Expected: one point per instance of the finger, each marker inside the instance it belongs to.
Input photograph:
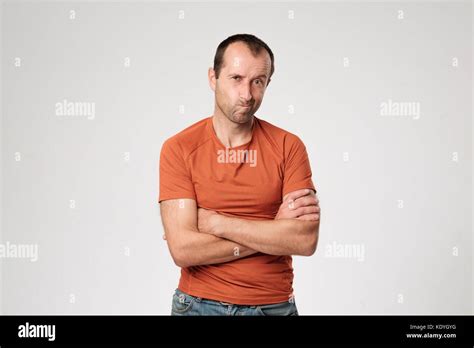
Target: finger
(312, 194)
(310, 209)
(309, 217)
(297, 194)
(291, 214)
(305, 201)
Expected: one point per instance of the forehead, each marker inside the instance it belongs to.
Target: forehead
(239, 57)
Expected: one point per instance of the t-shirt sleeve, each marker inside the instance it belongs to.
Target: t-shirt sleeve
(297, 172)
(174, 176)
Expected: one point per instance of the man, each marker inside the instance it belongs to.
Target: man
(236, 196)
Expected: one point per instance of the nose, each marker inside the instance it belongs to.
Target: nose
(245, 93)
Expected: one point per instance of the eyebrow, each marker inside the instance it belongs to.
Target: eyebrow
(261, 75)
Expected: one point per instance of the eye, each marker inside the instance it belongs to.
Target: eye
(237, 78)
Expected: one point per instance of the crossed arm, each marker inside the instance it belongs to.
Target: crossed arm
(199, 236)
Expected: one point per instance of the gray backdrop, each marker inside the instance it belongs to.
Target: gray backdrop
(381, 94)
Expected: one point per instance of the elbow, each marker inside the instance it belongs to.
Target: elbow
(310, 247)
(180, 262)
(179, 257)
(310, 240)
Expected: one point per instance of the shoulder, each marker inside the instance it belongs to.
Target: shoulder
(284, 139)
(190, 138)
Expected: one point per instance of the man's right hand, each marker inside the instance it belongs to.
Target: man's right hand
(302, 205)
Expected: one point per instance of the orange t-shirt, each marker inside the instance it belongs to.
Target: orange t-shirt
(246, 181)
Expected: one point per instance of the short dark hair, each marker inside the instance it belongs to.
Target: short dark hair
(253, 43)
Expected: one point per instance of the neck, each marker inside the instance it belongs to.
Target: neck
(232, 134)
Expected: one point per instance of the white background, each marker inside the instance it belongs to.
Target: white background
(107, 256)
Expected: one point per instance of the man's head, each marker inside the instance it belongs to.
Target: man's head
(243, 66)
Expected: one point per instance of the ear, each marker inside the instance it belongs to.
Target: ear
(211, 74)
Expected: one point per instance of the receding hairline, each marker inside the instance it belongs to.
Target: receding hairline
(253, 43)
(255, 53)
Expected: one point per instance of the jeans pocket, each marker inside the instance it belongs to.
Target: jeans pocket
(278, 309)
(182, 302)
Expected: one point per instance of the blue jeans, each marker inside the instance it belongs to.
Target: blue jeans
(185, 304)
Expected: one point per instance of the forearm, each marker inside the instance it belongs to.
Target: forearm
(275, 237)
(197, 248)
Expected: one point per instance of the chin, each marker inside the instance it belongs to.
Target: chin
(241, 118)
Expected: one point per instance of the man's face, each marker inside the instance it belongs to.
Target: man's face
(242, 82)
